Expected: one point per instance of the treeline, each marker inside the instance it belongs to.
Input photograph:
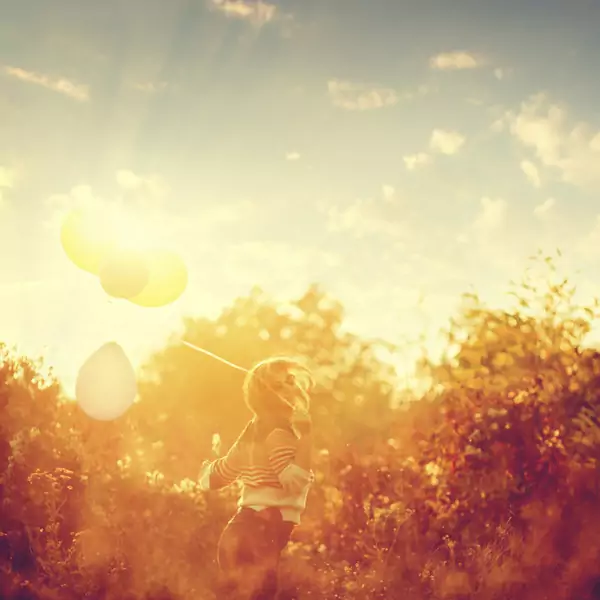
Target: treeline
(486, 488)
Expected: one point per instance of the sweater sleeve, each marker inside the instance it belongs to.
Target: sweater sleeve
(282, 446)
(221, 472)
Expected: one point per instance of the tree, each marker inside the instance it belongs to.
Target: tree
(187, 397)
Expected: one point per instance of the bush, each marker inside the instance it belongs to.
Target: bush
(486, 488)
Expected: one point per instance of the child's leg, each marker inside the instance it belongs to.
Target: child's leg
(248, 554)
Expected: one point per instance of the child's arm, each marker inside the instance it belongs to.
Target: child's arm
(221, 472)
(290, 459)
(303, 452)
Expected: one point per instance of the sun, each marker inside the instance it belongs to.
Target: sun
(89, 235)
(130, 231)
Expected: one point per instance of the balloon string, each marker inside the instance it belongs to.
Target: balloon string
(233, 365)
(217, 357)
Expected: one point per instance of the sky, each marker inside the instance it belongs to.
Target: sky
(398, 153)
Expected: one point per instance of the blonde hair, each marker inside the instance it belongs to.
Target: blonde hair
(276, 386)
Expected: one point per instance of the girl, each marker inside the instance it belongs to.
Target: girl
(271, 458)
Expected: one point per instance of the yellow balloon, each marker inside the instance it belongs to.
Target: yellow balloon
(167, 281)
(86, 240)
(124, 274)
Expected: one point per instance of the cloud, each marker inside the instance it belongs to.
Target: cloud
(292, 156)
(80, 197)
(145, 191)
(364, 218)
(446, 142)
(128, 180)
(255, 11)
(148, 209)
(142, 216)
(490, 246)
(531, 172)
(571, 148)
(389, 193)
(455, 61)
(356, 96)
(540, 126)
(68, 88)
(83, 197)
(491, 216)
(501, 73)
(541, 211)
(281, 268)
(498, 125)
(413, 161)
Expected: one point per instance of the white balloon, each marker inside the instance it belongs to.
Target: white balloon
(106, 385)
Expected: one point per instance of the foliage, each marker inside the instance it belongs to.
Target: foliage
(486, 488)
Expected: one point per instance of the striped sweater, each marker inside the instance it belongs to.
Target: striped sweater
(268, 474)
